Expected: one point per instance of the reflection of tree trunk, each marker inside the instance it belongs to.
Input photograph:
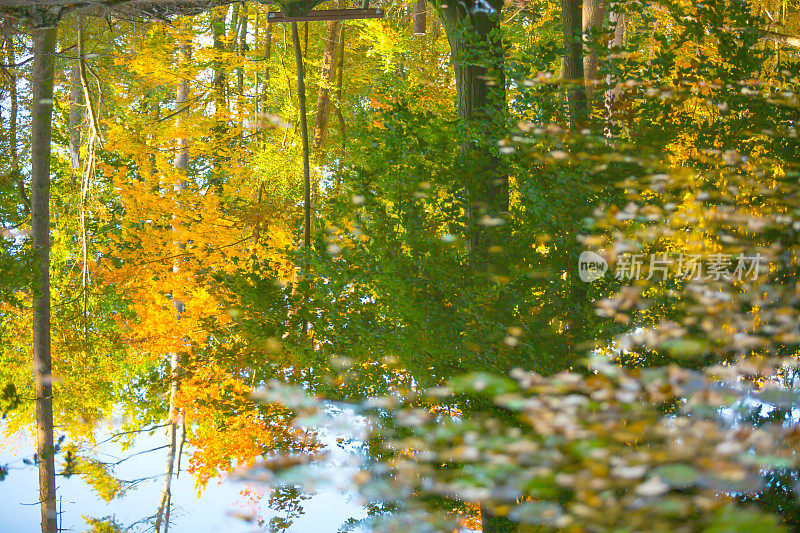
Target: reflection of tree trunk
(480, 88)
(324, 100)
(593, 11)
(242, 48)
(93, 138)
(162, 516)
(325, 85)
(267, 57)
(419, 17)
(573, 63)
(41, 124)
(257, 75)
(221, 114)
(233, 31)
(75, 118)
(614, 91)
(301, 97)
(218, 28)
(181, 166)
(339, 80)
(13, 111)
(262, 85)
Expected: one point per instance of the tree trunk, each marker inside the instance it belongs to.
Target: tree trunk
(593, 12)
(614, 91)
(41, 124)
(419, 26)
(267, 57)
(75, 118)
(305, 46)
(13, 113)
(162, 515)
(301, 97)
(218, 28)
(181, 166)
(482, 108)
(262, 91)
(325, 85)
(242, 48)
(221, 110)
(93, 138)
(573, 63)
(257, 75)
(233, 31)
(480, 88)
(339, 81)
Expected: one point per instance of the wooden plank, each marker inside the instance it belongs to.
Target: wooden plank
(317, 15)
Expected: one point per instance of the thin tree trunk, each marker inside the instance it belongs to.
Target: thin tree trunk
(218, 28)
(41, 127)
(162, 516)
(593, 12)
(75, 118)
(301, 97)
(267, 57)
(242, 48)
(573, 63)
(257, 76)
(339, 82)
(13, 112)
(325, 86)
(92, 141)
(181, 166)
(220, 84)
(324, 100)
(286, 70)
(614, 91)
(263, 91)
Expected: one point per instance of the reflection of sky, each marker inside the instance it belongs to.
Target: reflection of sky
(213, 511)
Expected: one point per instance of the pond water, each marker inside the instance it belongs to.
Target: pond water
(429, 267)
(226, 503)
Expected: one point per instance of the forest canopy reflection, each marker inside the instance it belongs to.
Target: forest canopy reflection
(544, 253)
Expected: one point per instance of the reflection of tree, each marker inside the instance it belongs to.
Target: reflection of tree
(174, 442)
(41, 126)
(287, 499)
(172, 470)
(106, 524)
